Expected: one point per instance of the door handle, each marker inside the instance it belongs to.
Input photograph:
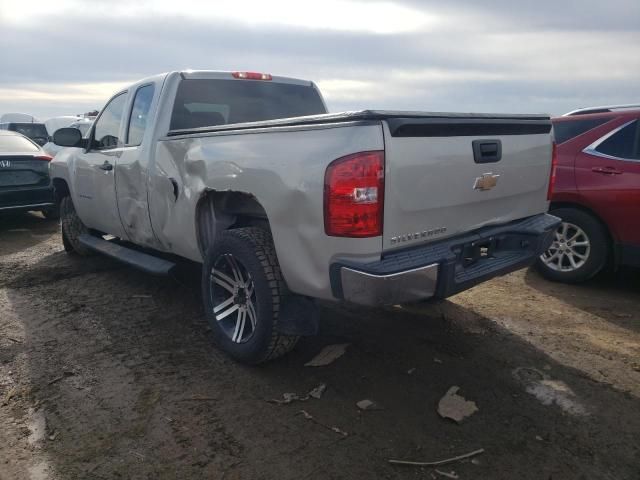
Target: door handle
(106, 166)
(606, 170)
(487, 151)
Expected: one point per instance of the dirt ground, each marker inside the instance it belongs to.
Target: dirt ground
(106, 372)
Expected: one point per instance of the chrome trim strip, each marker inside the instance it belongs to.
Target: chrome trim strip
(402, 287)
(591, 149)
(26, 207)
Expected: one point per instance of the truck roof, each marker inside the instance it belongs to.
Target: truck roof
(215, 74)
(223, 75)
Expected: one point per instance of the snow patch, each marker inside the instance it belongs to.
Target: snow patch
(549, 391)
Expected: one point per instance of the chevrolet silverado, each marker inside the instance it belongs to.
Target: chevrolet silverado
(283, 203)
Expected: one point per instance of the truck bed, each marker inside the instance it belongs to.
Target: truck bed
(401, 123)
(431, 167)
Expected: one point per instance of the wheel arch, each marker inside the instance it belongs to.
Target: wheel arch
(60, 189)
(612, 248)
(217, 211)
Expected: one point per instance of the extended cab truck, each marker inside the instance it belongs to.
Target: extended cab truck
(283, 203)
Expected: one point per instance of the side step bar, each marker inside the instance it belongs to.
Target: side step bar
(139, 260)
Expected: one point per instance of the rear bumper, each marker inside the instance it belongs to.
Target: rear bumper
(444, 268)
(27, 199)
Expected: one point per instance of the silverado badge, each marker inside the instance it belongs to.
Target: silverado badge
(418, 235)
(486, 181)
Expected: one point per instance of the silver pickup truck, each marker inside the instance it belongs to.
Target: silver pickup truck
(284, 203)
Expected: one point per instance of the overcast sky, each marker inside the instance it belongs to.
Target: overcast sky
(61, 57)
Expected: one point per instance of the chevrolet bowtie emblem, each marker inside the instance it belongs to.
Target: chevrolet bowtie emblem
(486, 181)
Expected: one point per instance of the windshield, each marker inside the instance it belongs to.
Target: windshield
(35, 131)
(210, 102)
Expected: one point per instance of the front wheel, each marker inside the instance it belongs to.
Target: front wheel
(579, 249)
(72, 228)
(243, 290)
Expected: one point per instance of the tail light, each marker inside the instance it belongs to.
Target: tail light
(252, 76)
(554, 168)
(46, 158)
(354, 195)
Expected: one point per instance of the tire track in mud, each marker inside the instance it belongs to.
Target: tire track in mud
(114, 379)
(49, 275)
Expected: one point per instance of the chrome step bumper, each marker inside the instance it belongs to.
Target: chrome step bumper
(442, 269)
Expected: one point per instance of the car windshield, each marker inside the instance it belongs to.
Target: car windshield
(35, 131)
(16, 144)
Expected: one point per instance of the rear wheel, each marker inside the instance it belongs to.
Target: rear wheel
(243, 290)
(72, 228)
(579, 249)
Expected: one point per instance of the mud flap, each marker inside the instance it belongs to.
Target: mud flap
(298, 316)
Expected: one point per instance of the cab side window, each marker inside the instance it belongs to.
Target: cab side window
(139, 115)
(107, 127)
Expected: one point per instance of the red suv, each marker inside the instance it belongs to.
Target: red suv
(596, 193)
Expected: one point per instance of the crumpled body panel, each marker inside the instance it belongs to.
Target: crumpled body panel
(284, 171)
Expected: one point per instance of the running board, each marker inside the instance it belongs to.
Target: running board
(139, 260)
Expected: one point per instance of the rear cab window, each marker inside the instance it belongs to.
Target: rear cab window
(211, 102)
(566, 130)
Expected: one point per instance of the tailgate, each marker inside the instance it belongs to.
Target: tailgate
(23, 171)
(447, 176)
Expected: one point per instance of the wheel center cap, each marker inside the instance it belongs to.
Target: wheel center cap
(241, 297)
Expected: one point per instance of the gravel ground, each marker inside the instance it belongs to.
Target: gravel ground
(106, 372)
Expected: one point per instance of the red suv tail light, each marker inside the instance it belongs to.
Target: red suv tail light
(554, 167)
(354, 195)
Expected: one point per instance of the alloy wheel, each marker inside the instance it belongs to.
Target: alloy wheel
(233, 296)
(570, 249)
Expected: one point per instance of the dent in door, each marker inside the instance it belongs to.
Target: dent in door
(132, 202)
(172, 198)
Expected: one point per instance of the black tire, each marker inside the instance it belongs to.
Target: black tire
(248, 252)
(595, 256)
(51, 213)
(72, 228)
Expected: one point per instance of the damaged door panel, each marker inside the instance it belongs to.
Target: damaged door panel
(132, 169)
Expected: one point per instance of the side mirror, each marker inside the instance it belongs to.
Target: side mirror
(68, 137)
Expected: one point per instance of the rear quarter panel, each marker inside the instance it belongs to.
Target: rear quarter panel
(574, 166)
(284, 170)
